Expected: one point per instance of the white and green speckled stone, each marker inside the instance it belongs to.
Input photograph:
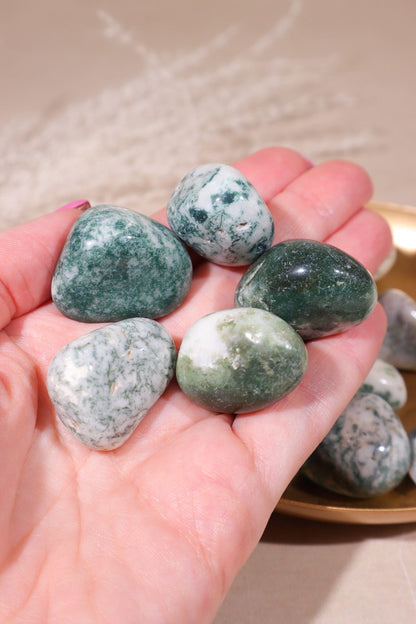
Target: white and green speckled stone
(386, 381)
(103, 383)
(366, 453)
(240, 360)
(117, 264)
(220, 215)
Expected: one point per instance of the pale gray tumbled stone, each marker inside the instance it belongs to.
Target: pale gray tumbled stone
(399, 346)
(366, 453)
(103, 383)
(412, 469)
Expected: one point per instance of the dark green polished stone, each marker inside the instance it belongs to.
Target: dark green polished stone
(316, 288)
(116, 264)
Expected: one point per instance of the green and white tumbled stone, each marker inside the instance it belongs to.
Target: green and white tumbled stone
(316, 288)
(366, 453)
(240, 360)
(386, 381)
(116, 264)
(103, 383)
(399, 346)
(220, 215)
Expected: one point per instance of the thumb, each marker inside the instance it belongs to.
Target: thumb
(28, 256)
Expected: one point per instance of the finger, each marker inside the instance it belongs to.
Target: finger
(270, 170)
(28, 256)
(44, 331)
(366, 236)
(318, 202)
(281, 437)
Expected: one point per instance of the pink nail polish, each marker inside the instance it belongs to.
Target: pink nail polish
(81, 204)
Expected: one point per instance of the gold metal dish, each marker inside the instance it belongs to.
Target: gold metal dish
(304, 499)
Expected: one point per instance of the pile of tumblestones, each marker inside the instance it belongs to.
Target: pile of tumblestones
(368, 452)
(123, 268)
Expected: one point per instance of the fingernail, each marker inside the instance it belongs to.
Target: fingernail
(81, 204)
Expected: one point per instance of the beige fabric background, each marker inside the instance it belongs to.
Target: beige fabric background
(116, 100)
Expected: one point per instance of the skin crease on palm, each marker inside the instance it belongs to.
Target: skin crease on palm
(155, 531)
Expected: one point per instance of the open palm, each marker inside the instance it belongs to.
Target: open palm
(155, 531)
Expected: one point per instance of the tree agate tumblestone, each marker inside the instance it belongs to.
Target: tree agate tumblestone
(316, 288)
(240, 360)
(220, 215)
(119, 264)
(386, 381)
(399, 346)
(103, 383)
(412, 469)
(366, 453)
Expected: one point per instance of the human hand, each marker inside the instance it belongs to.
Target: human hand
(155, 531)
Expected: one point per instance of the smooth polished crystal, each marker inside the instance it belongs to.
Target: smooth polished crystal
(220, 215)
(366, 453)
(240, 360)
(103, 383)
(316, 288)
(399, 346)
(386, 381)
(116, 264)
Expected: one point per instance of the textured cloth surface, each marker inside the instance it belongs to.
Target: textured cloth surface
(117, 101)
